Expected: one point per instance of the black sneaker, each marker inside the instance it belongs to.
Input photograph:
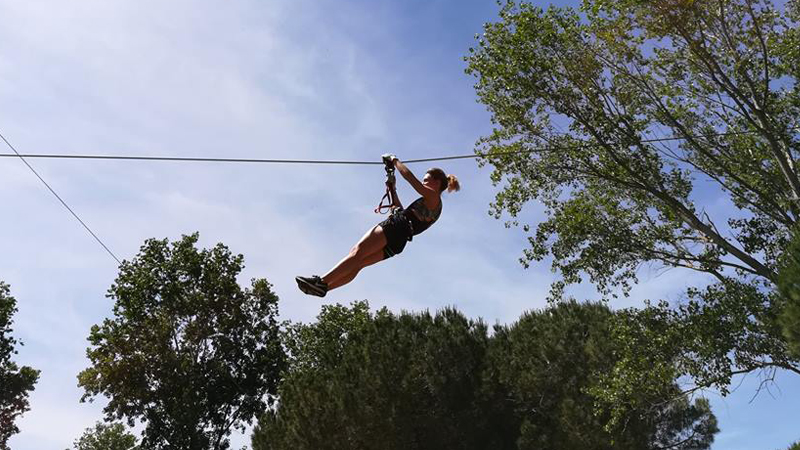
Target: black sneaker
(312, 285)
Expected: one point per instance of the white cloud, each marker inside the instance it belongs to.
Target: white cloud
(279, 79)
(178, 78)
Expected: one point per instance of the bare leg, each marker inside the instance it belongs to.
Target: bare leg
(368, 261)
(372, 242)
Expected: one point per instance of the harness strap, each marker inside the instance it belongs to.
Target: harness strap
(388, 196)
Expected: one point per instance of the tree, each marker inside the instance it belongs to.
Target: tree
(549, 364)
(313, 351)
(16, 382)
(188, 352)
(106, 437)
(417, 381)
(668, 106)
(789, 287)
(391, 382)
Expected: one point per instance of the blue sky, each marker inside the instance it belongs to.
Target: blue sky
(276, 79)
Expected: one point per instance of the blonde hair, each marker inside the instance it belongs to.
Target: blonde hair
(452, 183)
(449, 182)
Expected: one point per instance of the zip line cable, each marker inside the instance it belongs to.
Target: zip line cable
(22, 157)
(339, 162)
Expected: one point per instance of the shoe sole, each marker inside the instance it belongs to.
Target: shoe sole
(309, 288)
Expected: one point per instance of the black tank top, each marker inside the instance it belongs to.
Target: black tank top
(420, 216)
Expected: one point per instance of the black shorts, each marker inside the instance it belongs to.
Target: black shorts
(398, 231)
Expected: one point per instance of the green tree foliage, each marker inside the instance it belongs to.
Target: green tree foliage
(577, 98)
(15, 382)
(549, 364)
(188, 351)
(392, 382)
(789, 286)
(106, 437)
(417, 381)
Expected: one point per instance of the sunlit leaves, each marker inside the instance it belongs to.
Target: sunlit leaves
(188, 352)
(106, 437)
(653, 132)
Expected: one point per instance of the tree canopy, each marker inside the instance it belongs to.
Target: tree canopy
(16, 382)
(551, 362)
(789, 287)
(654, 132)
(187, 351)
(393, 382)
(106, 437)
(416, 381)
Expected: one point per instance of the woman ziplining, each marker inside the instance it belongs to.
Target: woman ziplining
(389, 237)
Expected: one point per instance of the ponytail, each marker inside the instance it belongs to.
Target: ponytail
(452, 183)
(448, 182)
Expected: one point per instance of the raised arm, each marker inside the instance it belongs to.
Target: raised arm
(426, 192)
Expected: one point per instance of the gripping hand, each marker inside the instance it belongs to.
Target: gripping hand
(389, 159)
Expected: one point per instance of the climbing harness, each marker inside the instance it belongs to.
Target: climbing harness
(388, 162)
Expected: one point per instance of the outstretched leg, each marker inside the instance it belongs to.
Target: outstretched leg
(368, 261)
(364, 253)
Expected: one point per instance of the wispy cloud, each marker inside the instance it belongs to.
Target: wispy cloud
(281, 79)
